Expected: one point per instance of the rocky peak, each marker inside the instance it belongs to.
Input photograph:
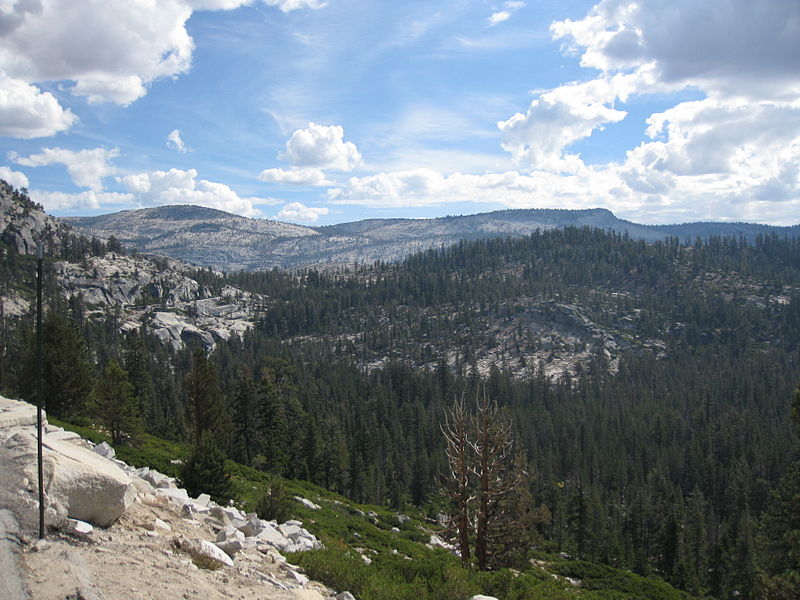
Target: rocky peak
(23, 222)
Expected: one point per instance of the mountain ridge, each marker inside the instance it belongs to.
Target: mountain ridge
(224, 241)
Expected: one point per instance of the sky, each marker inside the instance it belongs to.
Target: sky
(327, 111)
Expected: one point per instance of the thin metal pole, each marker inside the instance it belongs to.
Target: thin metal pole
(39, 392)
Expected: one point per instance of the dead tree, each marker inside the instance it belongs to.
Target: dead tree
(484, 481)
(457, 484)
(497, 472)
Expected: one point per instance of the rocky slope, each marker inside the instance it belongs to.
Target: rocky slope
(228, 242)
(201, 236)
(164, 294)
(155, 542)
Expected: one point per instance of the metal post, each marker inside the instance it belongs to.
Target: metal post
(39, 392)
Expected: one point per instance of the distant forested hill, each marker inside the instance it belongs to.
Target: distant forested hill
(649, 384)
(226, 242)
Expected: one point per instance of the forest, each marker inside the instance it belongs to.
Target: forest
(671, 452)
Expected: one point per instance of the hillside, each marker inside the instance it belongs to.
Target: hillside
(165, 538)
(648, 383)
(178, 302)
(223, 241)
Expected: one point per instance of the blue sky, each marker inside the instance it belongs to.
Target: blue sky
(323, 112)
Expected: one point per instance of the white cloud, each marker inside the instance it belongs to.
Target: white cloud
(27, 112)
(15, 178)
(735, 152)
(88, 200)
(290, 5)
(295, 176)
(182, 187)
(111, 51)
(735, 47)
(322, 147)
(296, 211)
(425, 187)
(499, 17)
(509, 8)
(87, 168)
(175, 142)
(141, 41)
(558, 118)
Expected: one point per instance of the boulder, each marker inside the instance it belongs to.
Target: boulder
(273, 537)
(158, 480)
(156, 525)
(90, 487)
(289, 529)
(64, 436)
(307, 503)
(230, 547)
(253, 526)
(14, 413)
(305, 595)
(178, 496)
(230, 533)
(203, 549)
(142, 486)
(345, 596)
(79, 528)
(482, 597)
(105, 450)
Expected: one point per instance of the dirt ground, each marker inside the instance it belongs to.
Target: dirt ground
(128, 562)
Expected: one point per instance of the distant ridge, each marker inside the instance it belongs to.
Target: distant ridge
(228, 242)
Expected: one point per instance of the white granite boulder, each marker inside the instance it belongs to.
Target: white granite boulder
(203, 549)
(90, 487)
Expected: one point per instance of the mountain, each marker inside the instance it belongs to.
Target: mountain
(177, 302)
(198, 235)
(228, 242)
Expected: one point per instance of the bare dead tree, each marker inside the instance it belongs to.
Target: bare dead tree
(494, 470)
(457, 483)
(485, 481)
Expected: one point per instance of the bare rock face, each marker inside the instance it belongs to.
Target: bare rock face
(79, 483)
(90, 487)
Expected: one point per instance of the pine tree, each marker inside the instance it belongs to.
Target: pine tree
(115, 406)
(205, 472)
(204, 405)
(66, 372)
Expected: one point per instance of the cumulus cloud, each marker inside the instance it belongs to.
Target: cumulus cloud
(175, 142)
(736, 47)
(177, 186)
(87, 200)
(27, 112)
(58, 40)
(557, 119)
(727, 153)
(297, 211)
(15, 178)
(423, 187)
(87, 168)
(321, 147)
(295, 176)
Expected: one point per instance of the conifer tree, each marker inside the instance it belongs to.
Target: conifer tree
(66, 372)
(114, 404)
(205, 472)
(204, 405)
